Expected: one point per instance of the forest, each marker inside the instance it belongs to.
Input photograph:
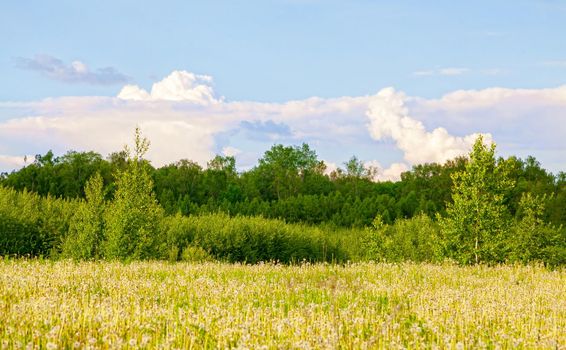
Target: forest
(475, 209)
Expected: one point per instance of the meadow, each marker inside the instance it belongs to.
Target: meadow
(46, 304)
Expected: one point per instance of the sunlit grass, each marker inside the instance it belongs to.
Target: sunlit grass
(212, 305)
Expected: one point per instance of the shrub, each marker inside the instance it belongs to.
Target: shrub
(32, 225)
(416, 239)
(194, 253)
(251, 239)
(533, 239)
(87, 225)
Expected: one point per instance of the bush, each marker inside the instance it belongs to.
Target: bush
(193, 253)
(87, 226)
(416, 239)
(251, 239)
(20, 238)
(533, 239)
(32, 225)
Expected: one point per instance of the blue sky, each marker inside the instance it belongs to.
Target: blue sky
(273, 52)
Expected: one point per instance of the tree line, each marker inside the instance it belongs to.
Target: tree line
(288, 183)
(472, 209)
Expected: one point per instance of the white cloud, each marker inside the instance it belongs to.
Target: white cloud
(392, 173)
(389, 118)
(177, 129)
(134, 93)
(230, 151)
(14, 162)
(330, 167)
(178, 86)
(183, 118)
(491, 97)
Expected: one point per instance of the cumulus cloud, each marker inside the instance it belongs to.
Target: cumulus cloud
(76, 72)
(179, 129)
(178, 86)
(183, 120)
(391, 173)
(389, 118)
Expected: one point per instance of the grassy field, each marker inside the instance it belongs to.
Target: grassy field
(211, 305)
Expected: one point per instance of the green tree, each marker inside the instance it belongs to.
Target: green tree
(415, 239)
(534, 239)
(133, 218)
(477, 220)
(87, 224)
(220, 179)
(282, 170)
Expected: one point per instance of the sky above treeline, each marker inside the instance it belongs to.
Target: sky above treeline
(395, 83)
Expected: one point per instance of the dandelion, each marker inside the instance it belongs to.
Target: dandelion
(160, 305)
(145, 340)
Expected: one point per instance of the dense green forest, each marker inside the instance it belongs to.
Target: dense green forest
(471, 209)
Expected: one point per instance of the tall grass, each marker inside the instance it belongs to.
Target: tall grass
(111, 305)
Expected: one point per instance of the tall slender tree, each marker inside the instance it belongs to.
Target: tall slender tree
(87, 224)
(134, 216)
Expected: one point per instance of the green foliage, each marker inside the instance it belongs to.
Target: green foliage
(344, 198)
(132, 221)
(477, 223)
(87, 225)
(60, 176)
(416, 239)
(282, 170)
(535, 240)
(427, 187)
(284, 209)
(193, 253)
(32, 225)
(20, 238)
(250, 239)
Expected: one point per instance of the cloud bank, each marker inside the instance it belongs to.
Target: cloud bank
(76, 72)
(185, 119)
